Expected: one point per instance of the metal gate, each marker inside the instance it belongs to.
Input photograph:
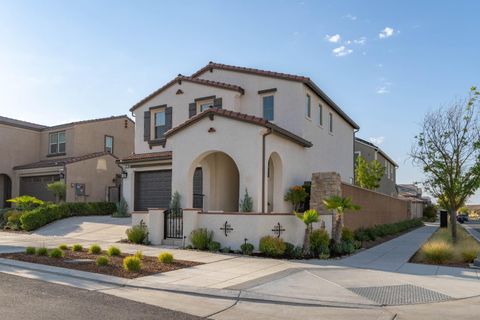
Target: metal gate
(173, 224)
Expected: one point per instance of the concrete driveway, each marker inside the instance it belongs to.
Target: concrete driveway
(95, 228)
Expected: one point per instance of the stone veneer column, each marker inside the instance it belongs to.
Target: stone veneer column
(324, 185)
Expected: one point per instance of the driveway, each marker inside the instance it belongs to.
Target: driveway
(94, 228)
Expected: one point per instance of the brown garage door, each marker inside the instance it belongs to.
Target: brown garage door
(36, 186)
(153, 189)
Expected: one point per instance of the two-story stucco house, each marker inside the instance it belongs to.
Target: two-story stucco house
(227, 129)
(370, 152)
(83, 154)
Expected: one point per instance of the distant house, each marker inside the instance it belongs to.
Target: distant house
(412, 192)
(473, 208)
(370, 152)
(82, 154)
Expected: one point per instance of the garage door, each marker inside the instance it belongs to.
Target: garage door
(153, 189)
(36, 186)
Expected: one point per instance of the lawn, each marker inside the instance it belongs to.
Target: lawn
(440, 250)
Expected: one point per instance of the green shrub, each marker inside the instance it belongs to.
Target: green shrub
(102, 261)
(113, 251)
(319, 242)
(13, 219)
(469, 253)
(296, 195)
(132, 264)
(165, 257)
(30, 250)
(25, 203)
(380, 231)
(121, 209)
(56, 253)
(226, 250)
(437, 252)
(247, 248)
(138, 254)
(246, 204)
(214, 246)
(138, 234)
(77, 247)
(59, 189)
(272, 246)
(347, 235)
(42, 251)
(292, 252)
(3, 218)
(430, 213)
(200, 238)
(63, 247)
(94, 249)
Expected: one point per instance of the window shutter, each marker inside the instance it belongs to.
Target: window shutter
(146, 126)
(192, 109)
(217, 103)
(168, 118)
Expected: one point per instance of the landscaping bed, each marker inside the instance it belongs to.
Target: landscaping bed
(439, 249)
(115, 267)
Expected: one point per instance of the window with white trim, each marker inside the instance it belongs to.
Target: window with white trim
(56, 142)
(308, 106)
(109, 144)
(268, 107)
(160, 124)
(320, 114)
(203, 105)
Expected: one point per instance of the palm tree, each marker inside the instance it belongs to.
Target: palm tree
(339, 205)
(308, 217)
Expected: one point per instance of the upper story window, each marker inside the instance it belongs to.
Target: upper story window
(56, 142)
(204, 105)
(330, 122)
(160, 123)
(308, 106)
(109, 144)
(268, 108)
(320, 115)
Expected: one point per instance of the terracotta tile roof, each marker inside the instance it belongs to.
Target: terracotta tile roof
(21, 124)
(179, 80)
(62, 161)
(284, 76)
(241, 117)
(152, 156)
(87, 121)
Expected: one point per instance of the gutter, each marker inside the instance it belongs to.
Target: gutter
(270, 131)
(353, 155)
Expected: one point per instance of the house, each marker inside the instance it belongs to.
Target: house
(83, 154)
(413, 192)
(226, 130)
(370, 152)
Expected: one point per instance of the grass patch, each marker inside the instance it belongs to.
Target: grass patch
(441, 250)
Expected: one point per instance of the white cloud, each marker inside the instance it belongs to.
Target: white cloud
(361, 40)
(377, 140)
(350, 17)
(386, 33)
(341, 51)
(383, 89)
(335, 38)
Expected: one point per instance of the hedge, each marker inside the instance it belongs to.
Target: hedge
(45, 214)
(380, 231)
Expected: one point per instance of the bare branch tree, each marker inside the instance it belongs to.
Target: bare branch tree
(448, 150)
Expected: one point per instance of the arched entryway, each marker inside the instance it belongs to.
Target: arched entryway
(5, 191)
(215, 176)
(274, 183)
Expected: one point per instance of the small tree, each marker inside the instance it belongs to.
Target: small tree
(308, 217)
(26, 203)
(448, 150)
(368, 174)
(296, 195)
(246, 204)
(175, 204)
(339, 205)
(59, 189)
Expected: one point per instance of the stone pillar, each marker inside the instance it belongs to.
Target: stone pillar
(156, 222)
(324, 185)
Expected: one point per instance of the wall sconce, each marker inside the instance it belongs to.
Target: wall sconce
(124, 174)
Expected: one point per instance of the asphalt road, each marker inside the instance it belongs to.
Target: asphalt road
(25, 299)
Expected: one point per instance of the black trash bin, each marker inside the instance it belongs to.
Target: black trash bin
(443, 219)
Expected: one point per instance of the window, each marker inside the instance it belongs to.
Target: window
(268, 112)
(320, 114)
(204, 105)
(56, 142)
(159, 124)
(109, 144)
(308, 109)
(330, 122)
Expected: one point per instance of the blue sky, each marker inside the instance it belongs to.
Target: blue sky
(385, 63)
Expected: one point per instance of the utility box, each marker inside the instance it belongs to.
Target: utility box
(443, 219)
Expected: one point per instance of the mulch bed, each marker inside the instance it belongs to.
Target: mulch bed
(150, 265)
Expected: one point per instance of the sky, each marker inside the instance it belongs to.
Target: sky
(386, 63)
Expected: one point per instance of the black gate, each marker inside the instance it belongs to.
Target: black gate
(173, 224)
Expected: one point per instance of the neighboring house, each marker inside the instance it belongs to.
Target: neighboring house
(224, 130)
(412, 192)
(473, 208)
(370, 152)
(83, 154)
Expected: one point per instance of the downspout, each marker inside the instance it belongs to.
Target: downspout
(353, 155)
(269, 131)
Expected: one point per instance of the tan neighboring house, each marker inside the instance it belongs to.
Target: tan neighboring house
(226, 129)
(83, 154)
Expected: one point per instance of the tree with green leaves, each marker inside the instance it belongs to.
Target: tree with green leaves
(246, 204)
(368, 174)
(448, 150)
(59, 189)
(339, 205)
(308, 217)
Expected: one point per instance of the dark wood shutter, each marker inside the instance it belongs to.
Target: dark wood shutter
(168, 118)
(192, 109)
(146, 125)
(217, 103)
